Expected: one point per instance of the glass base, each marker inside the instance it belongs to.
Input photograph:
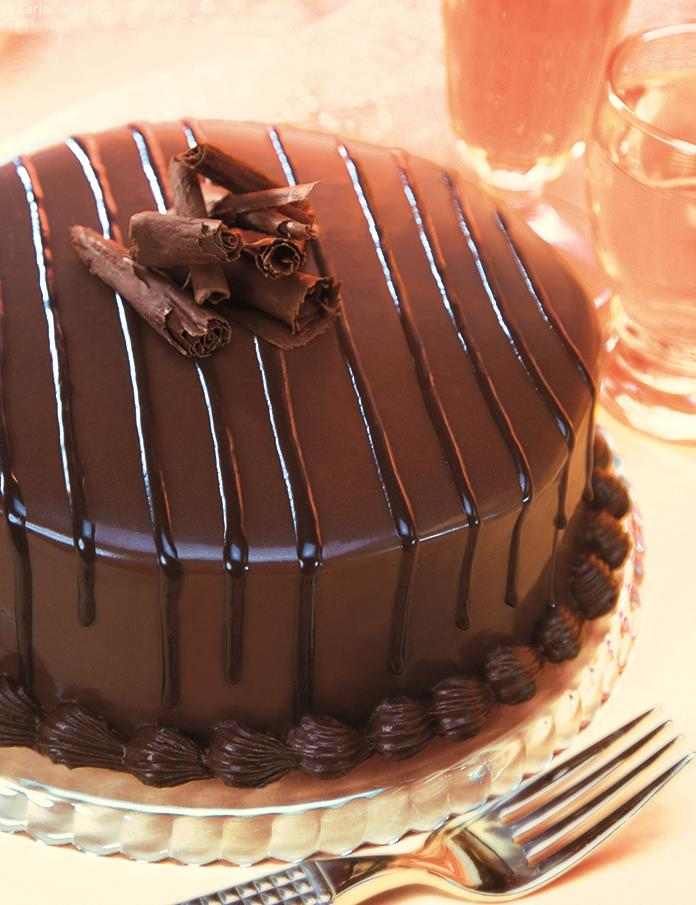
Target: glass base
(637, 389)
(104, 812)
(497, 178)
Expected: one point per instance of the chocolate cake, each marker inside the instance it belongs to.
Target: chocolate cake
(270, 559)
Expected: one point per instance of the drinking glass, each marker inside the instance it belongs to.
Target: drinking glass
(523, 79)
(641, 169)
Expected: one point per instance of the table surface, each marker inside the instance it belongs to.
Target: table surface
(56, 83)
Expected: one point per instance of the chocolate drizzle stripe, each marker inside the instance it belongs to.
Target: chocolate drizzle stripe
(148, 169)
(170, 581)
(235, 547)
(304, 519)
(525, 358)
(276, 390)
(189, 134)
(543, 304)
(500, 415)
(404, 525)
(485, 383)
(396, 498)
(87, 155)
(402, 609)
(170, 574)
(82, 526)
(431, 397)
(306, 634)
(303, 511)
(15, 515)
(282, 156)
(517, 343)
(235, 550)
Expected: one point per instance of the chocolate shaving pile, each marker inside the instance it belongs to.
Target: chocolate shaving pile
(192, 330)
(248, 250)
(208, 280)
(239, 178)
(275, 257)
(285, 312)
(272, 221)
(165, 240)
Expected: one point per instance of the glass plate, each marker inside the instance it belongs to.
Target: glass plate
(105, 812)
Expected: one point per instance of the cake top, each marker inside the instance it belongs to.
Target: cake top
(445, 392)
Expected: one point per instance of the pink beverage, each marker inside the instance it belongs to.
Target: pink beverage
(641, 166)
(524, 76)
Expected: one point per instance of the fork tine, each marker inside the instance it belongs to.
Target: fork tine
(580, 789)
(546, 840)
(548, 780)
(576, 850)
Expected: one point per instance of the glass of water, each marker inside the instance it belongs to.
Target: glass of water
(641, 168)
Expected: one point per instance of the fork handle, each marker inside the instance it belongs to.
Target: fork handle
(314, 883)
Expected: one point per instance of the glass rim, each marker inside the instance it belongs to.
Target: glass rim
(620, 51)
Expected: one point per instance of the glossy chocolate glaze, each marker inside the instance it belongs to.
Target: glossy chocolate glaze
(268, 534)
(399, 727)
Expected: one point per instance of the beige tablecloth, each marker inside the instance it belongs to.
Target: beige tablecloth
(293, 60)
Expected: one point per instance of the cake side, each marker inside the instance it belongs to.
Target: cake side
(373, 477)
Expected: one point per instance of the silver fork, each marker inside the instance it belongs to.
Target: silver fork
(512, 846)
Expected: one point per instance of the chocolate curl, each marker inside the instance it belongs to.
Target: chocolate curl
(237, 177)
(193, 331)
(165, 240)
(233, 204)
(273, 221)
(208, 280)
(275, 257)
(287, 313)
